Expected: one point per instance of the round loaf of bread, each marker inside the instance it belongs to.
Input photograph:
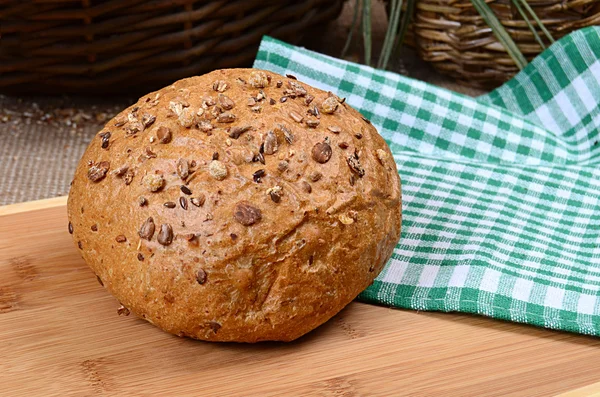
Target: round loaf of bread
(240, 205)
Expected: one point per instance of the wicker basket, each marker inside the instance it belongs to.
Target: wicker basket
(107, 46)
(452, 36)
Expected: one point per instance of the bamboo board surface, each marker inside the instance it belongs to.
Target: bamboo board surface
(60, 335)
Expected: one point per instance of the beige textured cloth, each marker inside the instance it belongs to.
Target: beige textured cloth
(37, 161)
(40, 145)
(41, 141)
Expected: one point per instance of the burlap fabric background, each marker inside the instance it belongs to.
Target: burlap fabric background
(42, 139)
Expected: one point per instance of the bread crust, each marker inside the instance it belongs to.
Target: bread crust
(240, 205)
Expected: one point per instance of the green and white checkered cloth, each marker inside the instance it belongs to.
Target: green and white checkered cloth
(501, 193)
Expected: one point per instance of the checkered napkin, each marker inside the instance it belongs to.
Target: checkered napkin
(501, 193)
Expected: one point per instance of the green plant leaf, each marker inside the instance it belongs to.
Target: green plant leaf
(366, 27)
(404, 24)
(399, 22)
(529, 24)
(352, 27)
(537, 20)
(500, 32)
(388, 42)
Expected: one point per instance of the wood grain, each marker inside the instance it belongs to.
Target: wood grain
(60, 335)
(33, 205)
(592, 390)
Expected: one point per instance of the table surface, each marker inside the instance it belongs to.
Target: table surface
(60, 335)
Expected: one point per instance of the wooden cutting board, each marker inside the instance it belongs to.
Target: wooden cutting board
(60, 335)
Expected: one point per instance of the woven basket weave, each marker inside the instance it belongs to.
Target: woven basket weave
(106, 46)
(453, 37)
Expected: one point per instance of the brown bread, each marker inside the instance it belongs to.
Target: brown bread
(294, 206)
